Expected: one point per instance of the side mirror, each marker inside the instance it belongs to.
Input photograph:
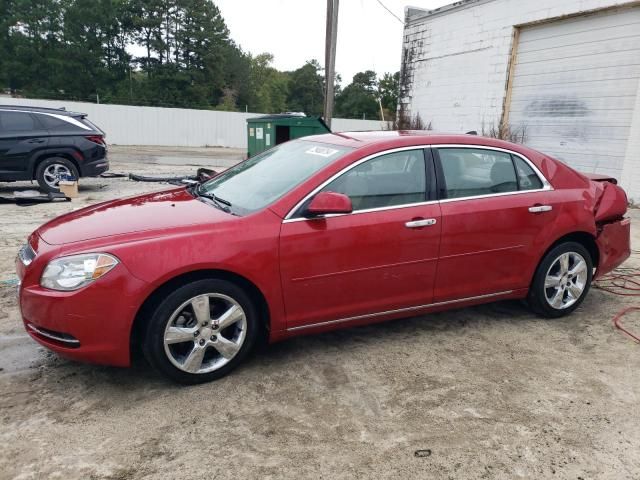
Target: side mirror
(327, 203)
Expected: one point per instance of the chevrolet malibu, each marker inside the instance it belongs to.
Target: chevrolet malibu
(316, 234)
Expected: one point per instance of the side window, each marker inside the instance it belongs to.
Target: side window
(385, 181)
(527, 178)
(469, 172)
(16, 122)
(53, 123)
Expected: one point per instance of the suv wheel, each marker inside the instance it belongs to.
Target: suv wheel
(562, 280)
(51, 170)
(201, 331)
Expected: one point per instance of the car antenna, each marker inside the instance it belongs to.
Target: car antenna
(472, 132)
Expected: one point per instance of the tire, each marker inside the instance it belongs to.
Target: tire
(47, 170)
(558, 288)
(182, 340)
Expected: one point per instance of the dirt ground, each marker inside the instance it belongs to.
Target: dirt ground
(487, 392)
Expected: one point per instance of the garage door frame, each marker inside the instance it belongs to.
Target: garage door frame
(515, 43)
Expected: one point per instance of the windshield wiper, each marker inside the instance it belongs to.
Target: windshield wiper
(220, 202)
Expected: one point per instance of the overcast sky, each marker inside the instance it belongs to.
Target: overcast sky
(369, 37)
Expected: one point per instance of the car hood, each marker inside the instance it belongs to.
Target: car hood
(157, 212)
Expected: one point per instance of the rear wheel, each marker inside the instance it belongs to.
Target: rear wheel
(52, 170)
(201, 331)
(562, 280)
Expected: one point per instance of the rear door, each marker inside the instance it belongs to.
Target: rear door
(494, 206)
(379, 258)
(20, 134)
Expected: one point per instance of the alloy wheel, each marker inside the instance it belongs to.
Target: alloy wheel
(205, 333)
(54, 172)
(565, 280)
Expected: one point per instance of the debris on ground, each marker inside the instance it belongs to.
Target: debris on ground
(625, 282)
(33, 197)
(11, 282)
(202, 175)
(113, 175)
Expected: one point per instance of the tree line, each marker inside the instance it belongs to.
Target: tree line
(174, 53)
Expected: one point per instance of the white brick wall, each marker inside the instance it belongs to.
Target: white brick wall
(457, 76)
(631, 169)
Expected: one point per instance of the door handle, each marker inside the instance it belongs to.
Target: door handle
(36, 140)
(427, 222)
(540, 208)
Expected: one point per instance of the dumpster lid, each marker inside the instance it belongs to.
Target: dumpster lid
(281, 116)
(278, 116)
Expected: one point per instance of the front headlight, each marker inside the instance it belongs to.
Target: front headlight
(76, 271)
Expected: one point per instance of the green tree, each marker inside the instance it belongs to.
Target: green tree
(269, 87)
(78, 49)
(306, 92)
(147, 23)
(389, 87)
(359, 99)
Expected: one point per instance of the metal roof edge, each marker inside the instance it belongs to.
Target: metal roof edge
(421, 13)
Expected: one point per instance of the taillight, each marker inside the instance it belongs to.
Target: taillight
(99, 139)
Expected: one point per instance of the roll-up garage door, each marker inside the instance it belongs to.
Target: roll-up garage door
(574, 88)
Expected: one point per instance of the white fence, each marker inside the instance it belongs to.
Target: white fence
(130, 125)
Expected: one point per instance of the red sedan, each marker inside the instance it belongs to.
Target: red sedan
(320, 233)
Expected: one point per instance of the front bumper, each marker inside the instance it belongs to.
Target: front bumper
(614, 244)
(92, 324)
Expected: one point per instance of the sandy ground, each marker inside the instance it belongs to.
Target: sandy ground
(487, 392)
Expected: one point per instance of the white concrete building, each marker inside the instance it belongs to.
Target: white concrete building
(566, 71)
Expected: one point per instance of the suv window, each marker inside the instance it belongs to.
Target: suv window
(54, 123)
(388, 180)
(470, 172)
(16, 122)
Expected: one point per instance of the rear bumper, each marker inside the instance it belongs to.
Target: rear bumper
(614, 244)
(93, 168)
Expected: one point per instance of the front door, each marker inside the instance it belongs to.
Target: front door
(379, 258)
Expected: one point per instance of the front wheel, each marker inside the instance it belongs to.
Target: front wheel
(201, 331)
(562, 280)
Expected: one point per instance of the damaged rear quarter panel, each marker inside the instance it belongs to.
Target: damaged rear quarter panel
(614, 243)
(591, 204)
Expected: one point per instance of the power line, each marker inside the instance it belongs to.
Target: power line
(394, 15)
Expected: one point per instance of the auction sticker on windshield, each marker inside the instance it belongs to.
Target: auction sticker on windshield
(322, 151)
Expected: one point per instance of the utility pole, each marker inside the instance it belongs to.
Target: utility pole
(381, 110)
(330, 59)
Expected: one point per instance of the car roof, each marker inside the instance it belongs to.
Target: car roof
(403, 137)
(28, 108)
(406, 138)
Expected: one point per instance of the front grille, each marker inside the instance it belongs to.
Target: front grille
(26, 254)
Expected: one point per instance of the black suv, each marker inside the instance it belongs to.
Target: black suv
(47, 144)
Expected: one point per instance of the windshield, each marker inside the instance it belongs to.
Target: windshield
(259, 181)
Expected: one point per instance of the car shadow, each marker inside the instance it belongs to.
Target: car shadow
(141, 378)
(467, 318)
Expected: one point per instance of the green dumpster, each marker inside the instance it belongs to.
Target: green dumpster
(269, 130)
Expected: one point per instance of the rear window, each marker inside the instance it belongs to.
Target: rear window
(470, 172)
(527, 178)
(90, 124)
(16, 122)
